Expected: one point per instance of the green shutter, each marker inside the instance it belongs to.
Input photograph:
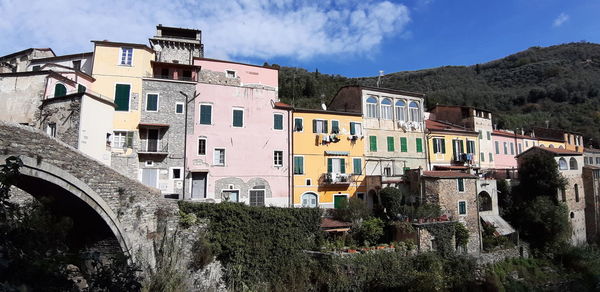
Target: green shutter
(357, 166)
(80, 88)
(278, 122)
(298, 165)
(129, 140)
(461, 185)
(329, 164)
(122, 97)
(238, 118)
(205, 114)
(390, 144)
(482, 157)
(443, 146)
(340, 202)
(314, 126)
(403, 144)
(373, 143)
(298, 125)
(343, 165)
(435, 146)
(152, 102)
(325, 129)
(335, 127)
(480, 134)
(491, 157)
(352, 128)
(419, 145)
(462, 208)
(59, 90)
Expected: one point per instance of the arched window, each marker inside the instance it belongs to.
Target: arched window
(309, 200)
(572, 215)
(542, 145)
(562, 164)
(563, 194)
(400, 110)
(414, 113)
(386, 109)
(372, 107)
(573, 163)
(576, 187)
(485, 202)
(59, 90)
(560, 147)
(551, 146)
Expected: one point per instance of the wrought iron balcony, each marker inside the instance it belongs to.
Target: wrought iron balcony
(333, 178)
(158, 147)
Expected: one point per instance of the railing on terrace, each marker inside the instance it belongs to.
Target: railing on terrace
(170, 77)
(334, 178)
(153, 147)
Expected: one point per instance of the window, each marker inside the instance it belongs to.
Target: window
(179, 108)
(491, 157)
(201, 146)
(257, 197)
(372, 107)
(497, 146)
(386, 109)
(403, 144)
(512, 148)
(51, 129)
(357, 166)
(390, 144)
(597, 160)
(186, 75)
(320, 126)
(80, 88)
(298, 127)
(576, 187)
(355, 128)
(36, 68)
(77, 65)
(489, 135)
(59, 90)
(126, 56)
(278, 158)
(439, 145)
(151, 102)
(470, 146)
(562, 164)
(309, 200)
(164, 72)
(231, 195)
(458, 149)
(176, 173)
(373, 143)
(298, 165)
(526, 144)
(335, 127)
(238, 118)
(419, 143)
(520, 148)
(387, 171)
(482, 157)
(462, 208)
(219, 156)
(122, 97)
(278, 121)
(480, 134)
(400, 110)
(563, 194)
(336, 165)
(122, 139)
(461, 184)
(230, 73)
(415, 115)
(205, 114)
(573, 163)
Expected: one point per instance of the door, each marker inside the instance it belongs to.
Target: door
(198, 185)
(309, 200)
(150, 177)
(152, 140)
(340, 201)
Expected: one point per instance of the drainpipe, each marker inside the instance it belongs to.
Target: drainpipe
(185, 124)
(290, 153)
(427, 156)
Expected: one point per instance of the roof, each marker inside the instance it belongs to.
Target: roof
(447, 174)
(79, 95)
(461, 106)
(26, 51)
(591, 166)
(550, 133)
(512, 135)
(434, 125)
(143, 124)
(62, 57)
(317, 111)
(121, 44)
(385, 90)
(591, 150)
(231, 62)
(553, 151)
(282, 105)
(502, 227)
(160, 26)
(174, 64)
(327, 223)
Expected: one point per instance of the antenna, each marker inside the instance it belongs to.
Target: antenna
(379, 78)
(323, 105)
(547, 124)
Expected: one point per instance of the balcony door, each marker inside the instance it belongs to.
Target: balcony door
(152, 137)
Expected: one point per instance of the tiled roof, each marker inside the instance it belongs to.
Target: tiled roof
(512, 135)
(554, 151)
(332, 223)
(447, 174)
(280, 104)
(435, 125)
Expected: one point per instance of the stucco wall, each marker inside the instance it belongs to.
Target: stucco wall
(20, 98)
(505, 160)
(96, 122)
(247, 74)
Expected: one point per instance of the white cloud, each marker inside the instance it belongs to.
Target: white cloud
(298, 29)
(562, 18)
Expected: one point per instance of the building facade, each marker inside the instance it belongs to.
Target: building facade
(451, 146)
(328, 162)
(591, 186)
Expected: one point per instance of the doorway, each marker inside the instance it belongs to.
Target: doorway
(153, 140)
(199, 185)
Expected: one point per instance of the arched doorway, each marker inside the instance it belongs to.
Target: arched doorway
(485, 202)
(372, 200)
(309, 200)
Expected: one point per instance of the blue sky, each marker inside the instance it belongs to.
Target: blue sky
(347, 37)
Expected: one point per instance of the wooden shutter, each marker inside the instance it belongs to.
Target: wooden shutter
(152, 102)
(390, 144)
(205, 114)
(373, 143)
(335, 127)
(461, 185)
(314, 126)
(238, 118)
(59, 90)
(298, 165)
(278, 122)
(129, 140)
(343, 165)
(357, 166)
(80, 88)
(403, 144)
(443, 146)
(420, 145)
(435, 145)
(352, 128)
(325, 127)
(329, 164)
(122, 97)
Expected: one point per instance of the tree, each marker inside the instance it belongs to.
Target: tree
(539, 176)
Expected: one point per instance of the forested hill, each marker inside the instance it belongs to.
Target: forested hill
(560, 84)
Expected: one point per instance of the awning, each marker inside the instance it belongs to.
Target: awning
(153, 125)
(337, 153)
(501, 225)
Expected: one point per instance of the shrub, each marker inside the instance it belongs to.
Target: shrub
(369, 231)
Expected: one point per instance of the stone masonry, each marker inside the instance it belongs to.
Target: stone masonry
(65, 113)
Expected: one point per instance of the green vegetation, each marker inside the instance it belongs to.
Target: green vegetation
(560, 84)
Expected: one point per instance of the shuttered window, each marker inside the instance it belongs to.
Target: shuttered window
(298, 125)
(462, 208)
(298, 165)
(373, 143)
(461, 185)
(403, 144)
(238, 118)
(335, 127)
(205, 114)
(357, 166)
(390, 144)
(122, 97)
(336, 164)
(419, 143)
(439, 145)
(152, 102)
(278, 122)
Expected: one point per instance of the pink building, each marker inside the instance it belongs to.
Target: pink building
(238, 149)
(507, 145)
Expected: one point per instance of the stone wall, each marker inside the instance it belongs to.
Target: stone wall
(503, 254)
(65, 113)
(591, 185)
(21, 97)
(576, 205)
(214, 77)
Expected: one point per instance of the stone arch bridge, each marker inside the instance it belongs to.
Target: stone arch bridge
(105, 202)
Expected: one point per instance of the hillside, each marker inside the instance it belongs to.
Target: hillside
(560, 84)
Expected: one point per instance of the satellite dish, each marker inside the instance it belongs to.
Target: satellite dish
(157, 48)
(323, 106)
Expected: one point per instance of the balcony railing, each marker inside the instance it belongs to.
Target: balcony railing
(153, 147)
(170, 77)
(334, 178)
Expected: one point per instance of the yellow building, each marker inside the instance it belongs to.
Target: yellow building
(452, 147)
(328, 162)
(119, 69)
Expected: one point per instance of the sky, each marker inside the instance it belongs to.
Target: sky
(353, 38)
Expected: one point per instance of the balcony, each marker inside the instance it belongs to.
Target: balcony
(153, 147)
(170, 77)
(333, 178)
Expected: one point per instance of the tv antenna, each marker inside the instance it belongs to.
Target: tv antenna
(379, 78)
